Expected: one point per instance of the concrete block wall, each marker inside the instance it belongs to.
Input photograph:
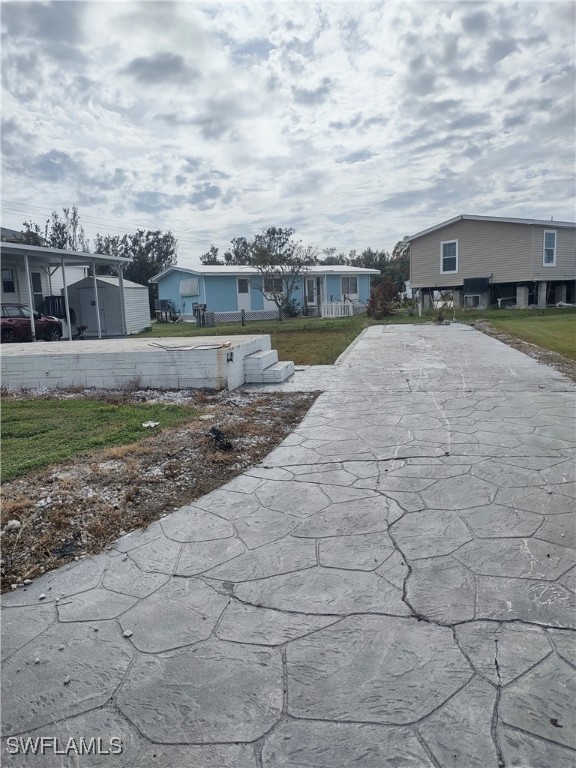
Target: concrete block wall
(125, 363)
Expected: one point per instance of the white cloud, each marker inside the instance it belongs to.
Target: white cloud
(357, 123)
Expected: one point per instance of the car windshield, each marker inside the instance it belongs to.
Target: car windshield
(25, 311)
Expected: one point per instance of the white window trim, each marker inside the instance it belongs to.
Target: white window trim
(348, 278)
(553, 262)
(447, 271)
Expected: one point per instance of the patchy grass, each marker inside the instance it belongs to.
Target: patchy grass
(40, 432)
(78, 506)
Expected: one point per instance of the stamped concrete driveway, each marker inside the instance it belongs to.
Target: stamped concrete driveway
(393, 586)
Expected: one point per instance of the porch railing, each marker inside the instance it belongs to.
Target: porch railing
(344, 309)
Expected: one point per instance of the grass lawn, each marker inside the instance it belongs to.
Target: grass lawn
(306, 341)
(555, 332)
(36, 433)
(312, 341)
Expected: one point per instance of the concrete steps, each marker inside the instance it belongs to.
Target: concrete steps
(263, 368)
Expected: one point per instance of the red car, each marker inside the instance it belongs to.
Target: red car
(15, 324)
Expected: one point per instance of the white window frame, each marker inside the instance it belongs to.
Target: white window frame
(544, 249)
(448, 271)
(348, 278)
(245, 281)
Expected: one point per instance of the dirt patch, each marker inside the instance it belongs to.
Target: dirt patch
(80, 506)
(545, 356)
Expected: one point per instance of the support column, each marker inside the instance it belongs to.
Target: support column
(457, 298)
(560, 292)
(522, 296)
(30, 298)
(66, 303)
(97, 303)
(122, 302)
(542, 289)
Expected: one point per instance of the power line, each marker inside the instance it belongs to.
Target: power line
(27, 209)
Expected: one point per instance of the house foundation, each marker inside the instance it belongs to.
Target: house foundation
(212, 362)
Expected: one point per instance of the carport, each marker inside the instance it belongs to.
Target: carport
(52, 259)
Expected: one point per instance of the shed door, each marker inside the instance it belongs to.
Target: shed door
(87, 310)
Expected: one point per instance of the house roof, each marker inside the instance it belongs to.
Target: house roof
(231, 269)
(109, 280)
(498, 219)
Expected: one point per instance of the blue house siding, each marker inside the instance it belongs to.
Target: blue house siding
(333, 288)
(221, 293)
(168, 289)
(256, 295)
(363, 288)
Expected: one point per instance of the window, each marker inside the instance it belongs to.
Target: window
(350, 286)
(243, 285)
(449, 256)
(13, 312)
(549, 255)
(273, 285)
(8, 281)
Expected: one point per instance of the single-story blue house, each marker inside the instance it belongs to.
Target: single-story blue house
(228, 289)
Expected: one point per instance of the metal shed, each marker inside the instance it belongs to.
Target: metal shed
(136, 306)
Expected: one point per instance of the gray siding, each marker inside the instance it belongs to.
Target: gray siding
(509, 252)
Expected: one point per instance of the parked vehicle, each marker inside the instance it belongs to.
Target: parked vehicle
(15, 324)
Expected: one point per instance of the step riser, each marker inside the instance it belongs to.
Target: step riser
(276, 374)
(259, 361)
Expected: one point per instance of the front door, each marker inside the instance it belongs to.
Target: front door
(244, 294)
(37, 295)
(311, 292)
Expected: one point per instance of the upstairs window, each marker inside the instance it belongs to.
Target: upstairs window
(549, 255)
(273, 285)
(449, 256)
(350, 286)
(8, 285)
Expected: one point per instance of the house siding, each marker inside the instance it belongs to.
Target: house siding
(508, 252)
(221, 293)
(484, 248)
(565, 268)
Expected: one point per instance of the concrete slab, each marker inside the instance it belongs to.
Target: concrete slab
(394, 585)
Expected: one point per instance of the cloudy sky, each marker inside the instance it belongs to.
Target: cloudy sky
(354, 123)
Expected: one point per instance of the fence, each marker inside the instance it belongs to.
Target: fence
(345, 309)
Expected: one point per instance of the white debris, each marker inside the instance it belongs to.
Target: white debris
(42, 596)
(127, 633)
(27, 581)
(207, 417)
(60, 647)
(13, 525)
(150, 423)
(67, 680)
(36, 660)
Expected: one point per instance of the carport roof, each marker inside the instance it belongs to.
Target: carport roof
(40, 254)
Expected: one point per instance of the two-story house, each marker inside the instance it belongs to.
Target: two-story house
(489, 260)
